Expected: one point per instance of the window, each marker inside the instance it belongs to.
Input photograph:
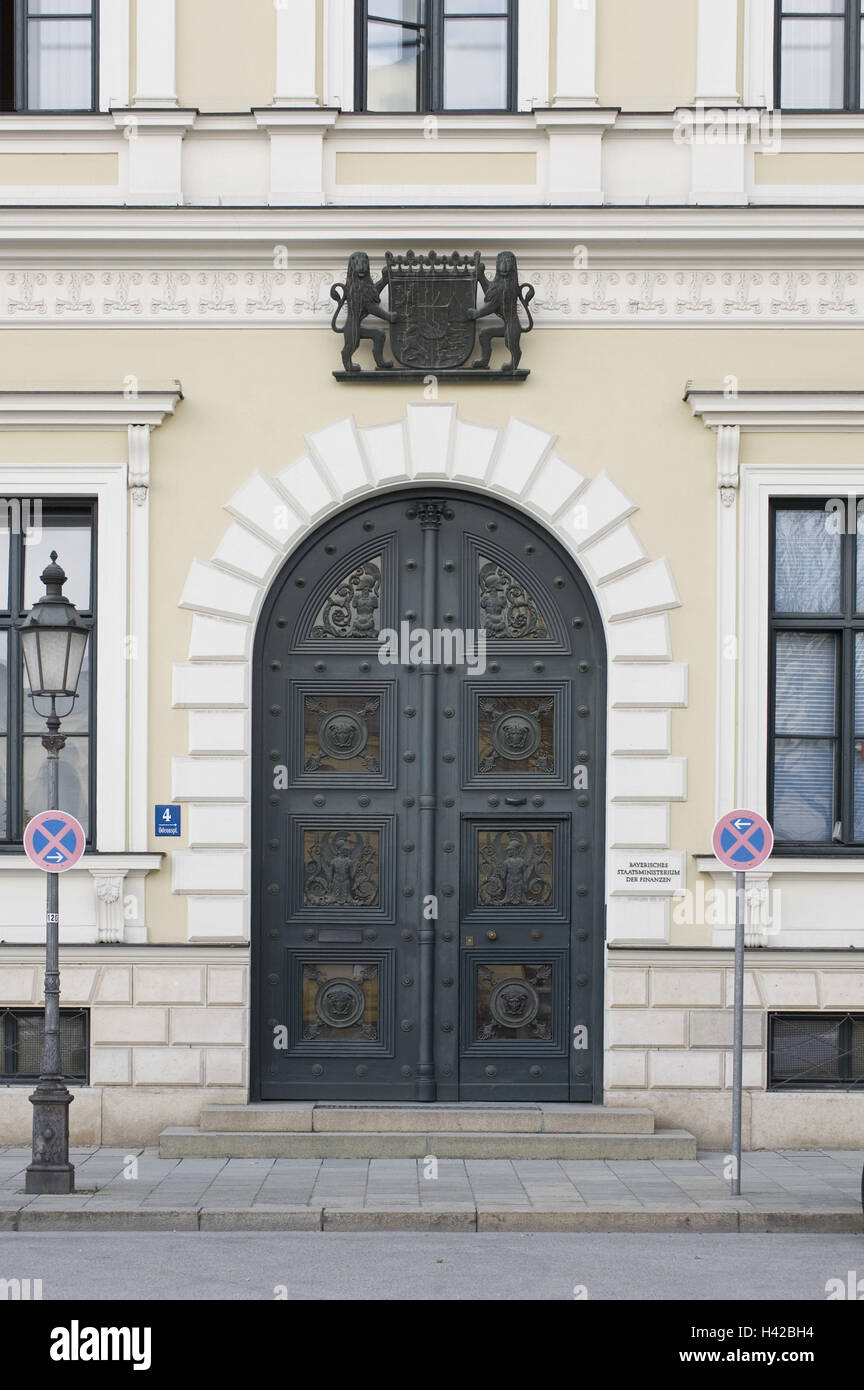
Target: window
(818, 54)
(816, 666)
(815, 1052)
(22, 1036)
(48, 55)
(436, 55)
(29, 531)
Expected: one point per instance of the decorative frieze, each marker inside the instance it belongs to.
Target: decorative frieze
(299, 296)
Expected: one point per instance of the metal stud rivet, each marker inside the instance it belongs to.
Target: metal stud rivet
(406, 1071)
(449, 566)
(410, 614)
(449, 514)
(447, 981)
(319, 800)
(449, 801)
(368, 525)
(370, 936)
(583, 711)
(330, 549)
(446, 1027)
(491, 1071)
(408, 801)
(578, 622)
(449, 758)
(584, 666)
(447, 892)
(409, 711)
(407, 981)
(529, 550)
(407, 892)
(408, 757)
(407, 936)
(538, 666)
(281, 622)
(582, 891)
(494, 666)
(410, 564)
(582, 846)
(361, 1071)
(364, 801)
(559, 582)
(537, 801)
(275, 755)
(320, 665)
(300, 583)
(449, 846)
(581, 981)
(272, 979)
(447, 935)
(493, 801)
(275, 709)
(535, 1071)
(583, 800)
(447, 1071)
(449, 713)
(317, 1070)
(309, 935)
(449, 617)
(273, 935)
(583, 756)
(274, 801)
(536, 935)
(582, 935)
(580, 1071)
(406, 1025)
(365, 667)
(273, 889)
(408, 846)
(491, 525)
(273, 844)
(275, 665)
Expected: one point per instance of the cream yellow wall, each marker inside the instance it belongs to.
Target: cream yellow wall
(614, 398)
(226, 53)
(646, 53)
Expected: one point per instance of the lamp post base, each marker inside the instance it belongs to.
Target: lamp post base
(50, 1172)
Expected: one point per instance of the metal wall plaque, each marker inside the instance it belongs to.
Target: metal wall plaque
(432, 313)
(657, 873)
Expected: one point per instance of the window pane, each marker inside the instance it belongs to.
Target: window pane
(4, 683)
(856, 1069)
(811, 63)
(76, 722)
(393, 65)
(813, 6)
(72, 544)
(803, 790)
(4, 562)
(806, 562)
(73, 779)
(475, 7)
(475, 64)
(61, 7)
(806, 689)
(4, 824)
(806, 1049)
(408, 11)
(59, 68)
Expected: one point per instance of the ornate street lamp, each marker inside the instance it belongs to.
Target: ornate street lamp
(53, 640)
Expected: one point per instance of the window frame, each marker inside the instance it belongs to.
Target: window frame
(430, 82)
(845, 1084)
(16, 101)
(852, 31)
(846, 623)
(68, 510)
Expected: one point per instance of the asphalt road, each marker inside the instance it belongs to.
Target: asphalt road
(404, 1266)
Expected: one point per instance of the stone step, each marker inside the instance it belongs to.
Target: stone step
(321, 1117)
(196, 1143)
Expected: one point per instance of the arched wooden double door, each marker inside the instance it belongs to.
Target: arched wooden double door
(428, 819)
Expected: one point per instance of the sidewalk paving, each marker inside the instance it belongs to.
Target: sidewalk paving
(812, 1190)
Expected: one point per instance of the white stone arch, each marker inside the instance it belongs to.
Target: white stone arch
(590, 517)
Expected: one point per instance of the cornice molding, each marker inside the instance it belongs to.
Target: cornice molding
(779, 411)
(86, 410)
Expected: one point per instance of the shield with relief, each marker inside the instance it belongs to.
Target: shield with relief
(431, 296)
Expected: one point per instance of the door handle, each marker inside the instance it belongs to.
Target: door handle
(515, 800)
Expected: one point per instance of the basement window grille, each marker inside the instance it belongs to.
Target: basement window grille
(22, 1033)
(815, 1052)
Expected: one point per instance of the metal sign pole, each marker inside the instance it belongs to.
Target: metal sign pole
(738, 1034)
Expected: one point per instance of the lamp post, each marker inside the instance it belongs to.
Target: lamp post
(53, 641)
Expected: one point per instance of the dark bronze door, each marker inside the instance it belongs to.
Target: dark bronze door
(428, 816)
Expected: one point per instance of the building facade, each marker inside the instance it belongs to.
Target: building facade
(477, 872)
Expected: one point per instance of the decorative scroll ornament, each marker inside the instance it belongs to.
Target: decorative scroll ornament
(341, 870)
(515, 869)
(351, 609)
(432, 314)
(509, 610)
